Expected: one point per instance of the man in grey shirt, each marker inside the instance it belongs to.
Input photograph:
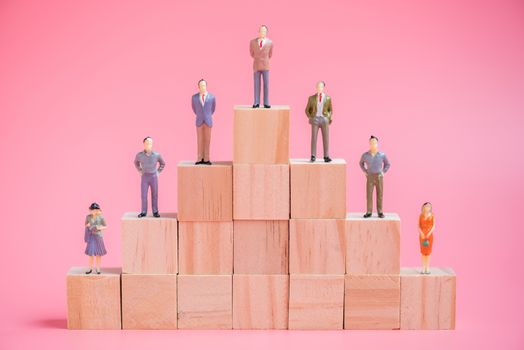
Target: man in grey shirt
(146, 164)
(374, 164)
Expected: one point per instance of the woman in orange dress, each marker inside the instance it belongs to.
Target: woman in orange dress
(426, 225)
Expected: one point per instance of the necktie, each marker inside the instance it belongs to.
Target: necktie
(260, 44)
(202, 98)
(320, 98)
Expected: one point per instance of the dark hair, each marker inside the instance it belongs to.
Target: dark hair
(94, 206)
(426, 203)
(201, 80)
(322, 81)
(373, 137)
(263, 25)
(145, 138)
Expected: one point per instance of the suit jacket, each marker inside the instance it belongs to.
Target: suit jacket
(311, 108)
(203, 112)
(262, 55)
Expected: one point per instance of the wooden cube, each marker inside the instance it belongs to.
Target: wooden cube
(260, 301)
(205, 192)
(372, 302)
(316, 301)
(261, 246)
(93, 301)
(316, 246)
(205, 247)
(372, 244)
(149, 301)
(261, 135)
(205, 302)
(149, 244)
(261, 191)
(318, 190)
(427, 301)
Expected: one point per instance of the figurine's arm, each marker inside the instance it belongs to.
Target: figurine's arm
(193, 105)
(137, 164)
(386, 164)
(432, 228)
(362, 164)
(329, 110)
(213, 105)
(308, 108)
(251, 52)
(271, 50)
(161, 162)
(102, 225)
(87, 222)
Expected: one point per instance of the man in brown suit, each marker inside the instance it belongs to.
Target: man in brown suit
(261, 49)
(319, 111)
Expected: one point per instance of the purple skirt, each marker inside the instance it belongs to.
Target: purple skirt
(95, 245)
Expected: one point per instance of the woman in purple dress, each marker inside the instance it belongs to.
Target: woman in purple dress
(93, 236)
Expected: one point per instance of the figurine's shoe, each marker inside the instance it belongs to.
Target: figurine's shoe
(256, 106)
(98, 272)
(156, 215)
(381, 215)
(267, 106)
(200, 161)
(88, 272)
(207, 162)
(141, 215)
(367, 215)
(327, 159)
(313, 158)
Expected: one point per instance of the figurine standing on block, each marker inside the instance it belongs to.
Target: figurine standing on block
(426, 226)
(203, 104)
(319, 111)
(93, 236)
(261, 49)
(374, 164)
(146, 164)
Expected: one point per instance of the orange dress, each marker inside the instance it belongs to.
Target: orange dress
(425, 225)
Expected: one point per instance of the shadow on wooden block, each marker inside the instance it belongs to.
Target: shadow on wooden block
(205, 302)
(93, 301)
(372, 244)
(427, 301)
(372, 302)
(205, 247)
(318, 190)
(316, 301)
(261, 246)
(149, 244)
(205, 192)
(260, 301)
(261, 135)
(261, 191)
(149, 301)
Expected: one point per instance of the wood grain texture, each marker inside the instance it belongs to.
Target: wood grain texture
(261, 246)
(205, 247)
(205, 192)
(316, 301)
(318, 190)
(316, 246)
(260, 191)
(427, 301)
(205, 302)
(372, 302)
(149, 301)
(372, 244)
(261, 135)
(149, 244)
(93, 301)
(260, 301)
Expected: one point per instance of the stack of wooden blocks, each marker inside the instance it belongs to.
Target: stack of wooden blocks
(263, 242)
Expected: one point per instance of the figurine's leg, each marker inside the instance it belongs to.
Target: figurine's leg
(325, 137)
(200, 143)
(314, 133)
(380, 188)
(369, 193)
(154, 193)
(91, 262)
(265, 76)
(143, 192)
(256, 87)
(98, 259)
(207, 141)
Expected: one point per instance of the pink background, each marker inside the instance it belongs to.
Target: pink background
(441, 82)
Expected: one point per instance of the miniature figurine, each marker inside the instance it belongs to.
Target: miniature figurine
(426, 226)
(374, 164)
(146, 164)
(203, 104)
(261, 49)
(319, 111)
(93, 236)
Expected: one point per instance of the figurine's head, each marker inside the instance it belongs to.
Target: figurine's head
(320, 86)
(427, 208)
(262, 31)
(202, 86)
(373, 143)
(94, 208)
(148, 144)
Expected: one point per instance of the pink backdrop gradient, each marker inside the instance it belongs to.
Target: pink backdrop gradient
(441, 82)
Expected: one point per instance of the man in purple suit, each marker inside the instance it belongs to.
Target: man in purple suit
(203, 104)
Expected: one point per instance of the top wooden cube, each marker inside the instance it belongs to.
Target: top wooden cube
(205, 192)
(318, 189)
(261, 135)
